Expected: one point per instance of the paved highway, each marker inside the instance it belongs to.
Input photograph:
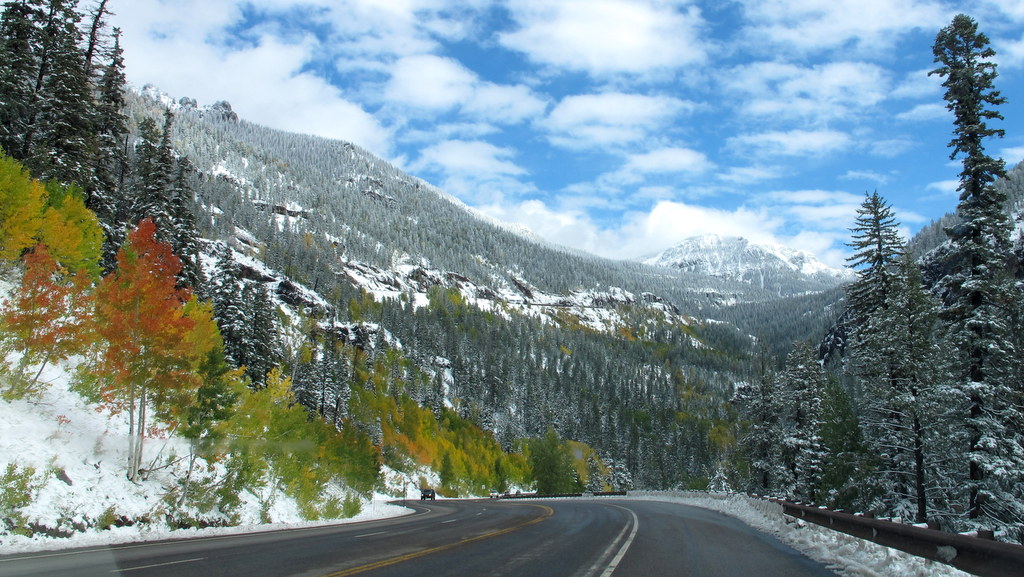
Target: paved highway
(556, 538)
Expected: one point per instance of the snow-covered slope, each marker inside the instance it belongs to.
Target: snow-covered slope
(772, 267)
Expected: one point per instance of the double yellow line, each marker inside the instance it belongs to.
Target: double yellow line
(548, 511)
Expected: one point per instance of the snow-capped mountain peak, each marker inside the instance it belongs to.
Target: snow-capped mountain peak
(771, 266)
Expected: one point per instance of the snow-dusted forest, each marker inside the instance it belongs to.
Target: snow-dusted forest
(307, 321)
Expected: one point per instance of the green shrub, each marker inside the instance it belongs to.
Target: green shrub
(19, 487)
(352, 506)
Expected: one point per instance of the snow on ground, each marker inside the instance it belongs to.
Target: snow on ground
(79, 454)
(846, 555)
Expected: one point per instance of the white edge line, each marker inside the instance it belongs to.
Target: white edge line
(625, 546)
(158, 565)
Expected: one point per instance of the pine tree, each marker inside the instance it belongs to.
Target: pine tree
(106, 197)
(261, 351)
(907, 406)
(20, 37)
(153, 171)
(229, 307)
(803, 449)
(184, 238)
(763, 405)
(978, 291)
(60, 139)
(877, 248)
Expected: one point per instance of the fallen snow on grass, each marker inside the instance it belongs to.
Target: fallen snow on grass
(79, 453)
(844, 554)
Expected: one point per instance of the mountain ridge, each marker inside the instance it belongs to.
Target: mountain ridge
(770, 266)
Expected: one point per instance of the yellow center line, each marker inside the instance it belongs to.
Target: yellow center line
(548, 511)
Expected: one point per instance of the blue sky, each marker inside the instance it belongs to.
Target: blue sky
(614, 126)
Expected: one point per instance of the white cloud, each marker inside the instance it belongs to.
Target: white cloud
(669, 160)
(430, 82)
(463, 157)
(865, 175)
(640, 233)
(505, 104)
(603, 37)
(477, 172)
(750, 174)
(891, 147)
(924, 112)
(791, 143)
(818, 93)
(1010, 53)
(436, 84)
(166, 46)
(869, 26)
(918, 84)
(945, 187)
(1012, 155)
(613, 118)
(672, 160)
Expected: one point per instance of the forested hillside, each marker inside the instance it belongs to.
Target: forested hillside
(309, 317)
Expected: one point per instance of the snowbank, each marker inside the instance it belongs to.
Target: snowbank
(77, 455)
(846, 555)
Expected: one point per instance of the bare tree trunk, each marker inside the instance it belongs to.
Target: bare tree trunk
(132, 471)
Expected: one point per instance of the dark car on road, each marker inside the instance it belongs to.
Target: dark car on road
(427, 494)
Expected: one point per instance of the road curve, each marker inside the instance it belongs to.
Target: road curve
(556, 538)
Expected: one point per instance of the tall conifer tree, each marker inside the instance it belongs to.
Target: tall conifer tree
(978, 290)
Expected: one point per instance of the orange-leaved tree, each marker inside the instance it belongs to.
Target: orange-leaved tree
(149, 354)
(47, 317)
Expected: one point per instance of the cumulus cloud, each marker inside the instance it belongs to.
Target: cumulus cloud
(431, 82)
(603, 37)
(310, 104)
(435, 84)
(505, 104)
(610, 119)
(945, 187)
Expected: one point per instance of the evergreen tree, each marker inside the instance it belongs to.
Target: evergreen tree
(106, 197)
(877, 248)
(803, 449)
(261, 350)
(849, 459)
(229, 307)
(184, 237)
(978, 290)
(60, 138)
(19, 41)
(906, 402)
(153, 170)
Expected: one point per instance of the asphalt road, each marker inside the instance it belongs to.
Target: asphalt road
(539, 538)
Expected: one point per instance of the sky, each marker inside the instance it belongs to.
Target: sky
(619, 127)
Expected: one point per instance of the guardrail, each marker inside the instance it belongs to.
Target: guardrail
(977, 555)
(554, 495)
